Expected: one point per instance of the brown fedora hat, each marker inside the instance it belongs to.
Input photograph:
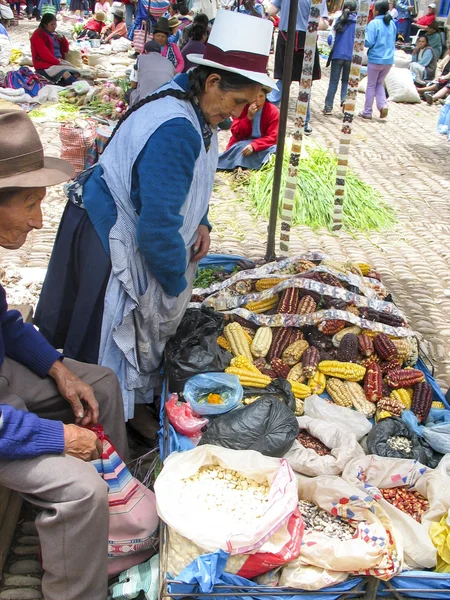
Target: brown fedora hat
(22, 160)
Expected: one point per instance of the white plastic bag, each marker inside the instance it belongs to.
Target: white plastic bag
(5, 51)
(343, 445)
(209, 531)
(372, 473)
(362, 86)
(400, 86)
(48, 93)
(351, 420)
(307, 577)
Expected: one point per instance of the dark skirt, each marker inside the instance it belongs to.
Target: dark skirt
(298, 57)
(70, 309)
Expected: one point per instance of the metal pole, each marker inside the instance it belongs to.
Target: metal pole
(284, 109)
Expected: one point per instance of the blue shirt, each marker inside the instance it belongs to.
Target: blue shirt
(258, 8)
(56, 48)
(304, 6)
(402, 9)
(380, 40)
(3, 31)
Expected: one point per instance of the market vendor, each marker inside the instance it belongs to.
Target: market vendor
(48, 51)
(421, 23)
(45, 398)
(169, 50)
(150, 72)
(117, 28)
(254, 136)
(423, 60)
(121, 271)
(439, 88)
(93, 27)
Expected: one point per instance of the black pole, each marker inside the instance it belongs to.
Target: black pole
(284, 109)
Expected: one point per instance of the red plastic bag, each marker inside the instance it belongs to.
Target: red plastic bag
(182, 418)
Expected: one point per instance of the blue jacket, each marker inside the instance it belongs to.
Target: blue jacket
(380, 40)
(402, 7)
(343, 41)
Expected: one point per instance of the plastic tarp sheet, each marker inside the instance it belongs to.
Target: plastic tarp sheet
(439, 583)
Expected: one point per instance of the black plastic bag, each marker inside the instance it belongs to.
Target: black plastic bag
(279, 388)
(267, 426)
(393, 426)
(194, 348)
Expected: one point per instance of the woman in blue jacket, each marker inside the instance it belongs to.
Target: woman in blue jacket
(341, 41)
(380, 40)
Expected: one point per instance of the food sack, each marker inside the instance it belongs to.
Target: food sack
(400, 86)
(401, 59)
(374, 473)
(346, 418)
(307, 577)
(435, 431)
(212, 514)
(361, 541)
(267, 426)
(77, 139)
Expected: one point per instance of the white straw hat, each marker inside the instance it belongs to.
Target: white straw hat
(240, 44)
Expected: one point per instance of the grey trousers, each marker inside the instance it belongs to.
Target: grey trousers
(73, 525)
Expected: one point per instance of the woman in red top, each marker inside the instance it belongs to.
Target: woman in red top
(48, 50)
(254, 136)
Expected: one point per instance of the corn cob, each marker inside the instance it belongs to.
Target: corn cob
(364, 268)
(299, 407)
(365, 345)
(331, 326)
(403, 348)
(260, 364)
(403, 395)
(237, 340)
(324, 355)
(334, 264)
(337, 303)
(381, 317)
(330, 279)
(296, 335)
(248, 334)
(414, 352)
(339, 393)
(343, 370)
(243, 287)
(374, 275)
(386, 389)
(249, 379)
(337, 338)
(390, 365)
(359, 400)
(260, 345)
(348, 348)
(244, 322)
(242, 362)
(267, 283)
(289, 301)
(310, 360)
(384, 347)
(293, 353)
(318, 339)
(306, 305)
(382, 414)
(300, 390)
(280, 367)
(261, 306)
(369, 332)
(373, 358)
(404, 378)
(421, 400)
(395, 407)
(296, 374)
(269, 372)
(438, 405)
(317, 383)
(280, 341)
(303, 265)
(224, 343)
(351, 308)
(373, 383)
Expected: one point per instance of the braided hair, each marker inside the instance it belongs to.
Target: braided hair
(197, 80)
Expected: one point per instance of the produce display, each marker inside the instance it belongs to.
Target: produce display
(317, 519)
(309, 441)
(412, 503)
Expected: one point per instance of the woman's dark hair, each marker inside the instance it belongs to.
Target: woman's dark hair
(229, 82)
(46, 20)
(175, 7)
(202, 19)
(425, 36)
(183, 10)
(350, 6)
(197, 32)
(382, 8)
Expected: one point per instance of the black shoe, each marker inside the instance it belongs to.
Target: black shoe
(307, 130)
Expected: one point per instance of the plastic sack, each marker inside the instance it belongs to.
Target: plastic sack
(182, 418)
(74, 56)
(77, 139)
(267, 426)
(375, 549)
(49, 93)
(81, 87)
(440, 536)
(372, 473)
(141, 578)
(213, 534)
(343, 445)
(351, 420)
(284, 545)
(436, 430)
(401, 59)
(279, 388)
(194, 348)
(5, 51)
(362, 85)
(307, 577)
(400, 86)
(377, 441)
(227, 386)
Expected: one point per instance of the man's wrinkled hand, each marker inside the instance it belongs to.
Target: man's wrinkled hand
(81, 443)
(78, 394)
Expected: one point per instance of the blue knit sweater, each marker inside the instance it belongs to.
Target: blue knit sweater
(24, 434)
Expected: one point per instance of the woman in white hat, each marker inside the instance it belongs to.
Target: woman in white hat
(126, 254)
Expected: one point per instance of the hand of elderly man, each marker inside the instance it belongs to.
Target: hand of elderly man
(78, 394)
(81, 443)
(202, 243)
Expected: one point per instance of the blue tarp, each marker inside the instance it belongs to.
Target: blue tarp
(439, 583)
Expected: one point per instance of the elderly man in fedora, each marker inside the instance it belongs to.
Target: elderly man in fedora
(46, 399)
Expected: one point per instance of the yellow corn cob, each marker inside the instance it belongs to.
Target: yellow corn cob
(224, 343)
(266, 284)
(382, 414)
(369, 332)
(236, 338)
(343, 370)
(242, 362)
(364, 268)
(296, 374)
(317, 383)
(339, 393)
(260, 306)
(359, 399)
(404, 395)
(300, 390)
(247, 336)
(249, 379)
(437, 404)
(299, 407)
(403, 348)
(260, 345)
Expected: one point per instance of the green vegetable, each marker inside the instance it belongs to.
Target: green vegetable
(206, 277)
(314, 199)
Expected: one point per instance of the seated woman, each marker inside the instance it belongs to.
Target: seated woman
(196, 45)
(48, 50)
(254, 136)
(93, 28)
(117, 29)
(434, 38)
(423, 60)
(169, 50)
(438, 88)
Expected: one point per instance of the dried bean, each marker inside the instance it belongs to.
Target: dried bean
(412, 503)
(401, 443)
(317, 519)
(309, 441)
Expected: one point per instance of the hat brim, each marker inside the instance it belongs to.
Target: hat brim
(54, 171)
(261, 78)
